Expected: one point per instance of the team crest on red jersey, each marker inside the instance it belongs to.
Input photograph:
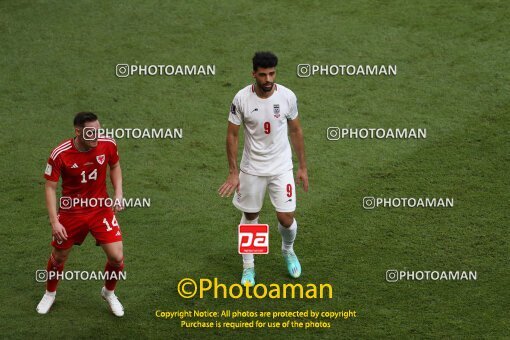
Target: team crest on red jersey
(100, 159)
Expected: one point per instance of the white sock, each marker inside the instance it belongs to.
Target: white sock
(51, 293)
(248, 259)
(288, 236)
(108, 292)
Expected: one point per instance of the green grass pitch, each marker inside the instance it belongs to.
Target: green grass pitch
(58, 58)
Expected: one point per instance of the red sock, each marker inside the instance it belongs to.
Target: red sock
(112, 268)
(54, 268)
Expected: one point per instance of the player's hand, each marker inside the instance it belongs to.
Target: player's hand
(302, 178)
(230, 185)
(118, 204)
(59, 232)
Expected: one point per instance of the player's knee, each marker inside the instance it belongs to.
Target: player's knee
(116, 259)
(60, 258)
(285, 218)
(60, 255)
(251, 216)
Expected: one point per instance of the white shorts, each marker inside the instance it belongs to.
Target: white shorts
(252, 190)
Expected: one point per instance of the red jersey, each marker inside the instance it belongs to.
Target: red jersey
(83, 173)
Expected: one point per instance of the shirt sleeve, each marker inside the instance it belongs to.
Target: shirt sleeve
(235, 116)
(52, 171)
(114, 154)
(293, 110)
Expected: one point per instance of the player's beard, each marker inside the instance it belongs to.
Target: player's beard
(92, 144)
(86, 145)
(267, 88)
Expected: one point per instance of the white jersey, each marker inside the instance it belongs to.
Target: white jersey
(267, 149)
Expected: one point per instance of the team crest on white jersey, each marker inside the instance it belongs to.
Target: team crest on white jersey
(100, 159)
(276, 110)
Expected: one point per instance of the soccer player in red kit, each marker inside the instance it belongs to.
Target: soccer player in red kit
(82, 163)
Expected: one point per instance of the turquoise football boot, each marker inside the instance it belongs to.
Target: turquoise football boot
(248, 278)
(293, 265)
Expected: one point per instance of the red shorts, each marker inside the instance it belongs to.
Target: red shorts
(101, 223)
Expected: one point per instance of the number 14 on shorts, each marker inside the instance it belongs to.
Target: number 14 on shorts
(253, 239)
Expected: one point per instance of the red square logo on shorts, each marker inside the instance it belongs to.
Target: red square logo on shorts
(253, 239)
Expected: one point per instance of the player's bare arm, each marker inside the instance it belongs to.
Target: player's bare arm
(298, 144)
(232, 182)
(58, 231)
(116, 179)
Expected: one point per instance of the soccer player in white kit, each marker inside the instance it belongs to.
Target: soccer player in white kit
(269, 114)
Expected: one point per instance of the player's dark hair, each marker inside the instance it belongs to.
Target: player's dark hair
(264, 60)
(82, 117)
